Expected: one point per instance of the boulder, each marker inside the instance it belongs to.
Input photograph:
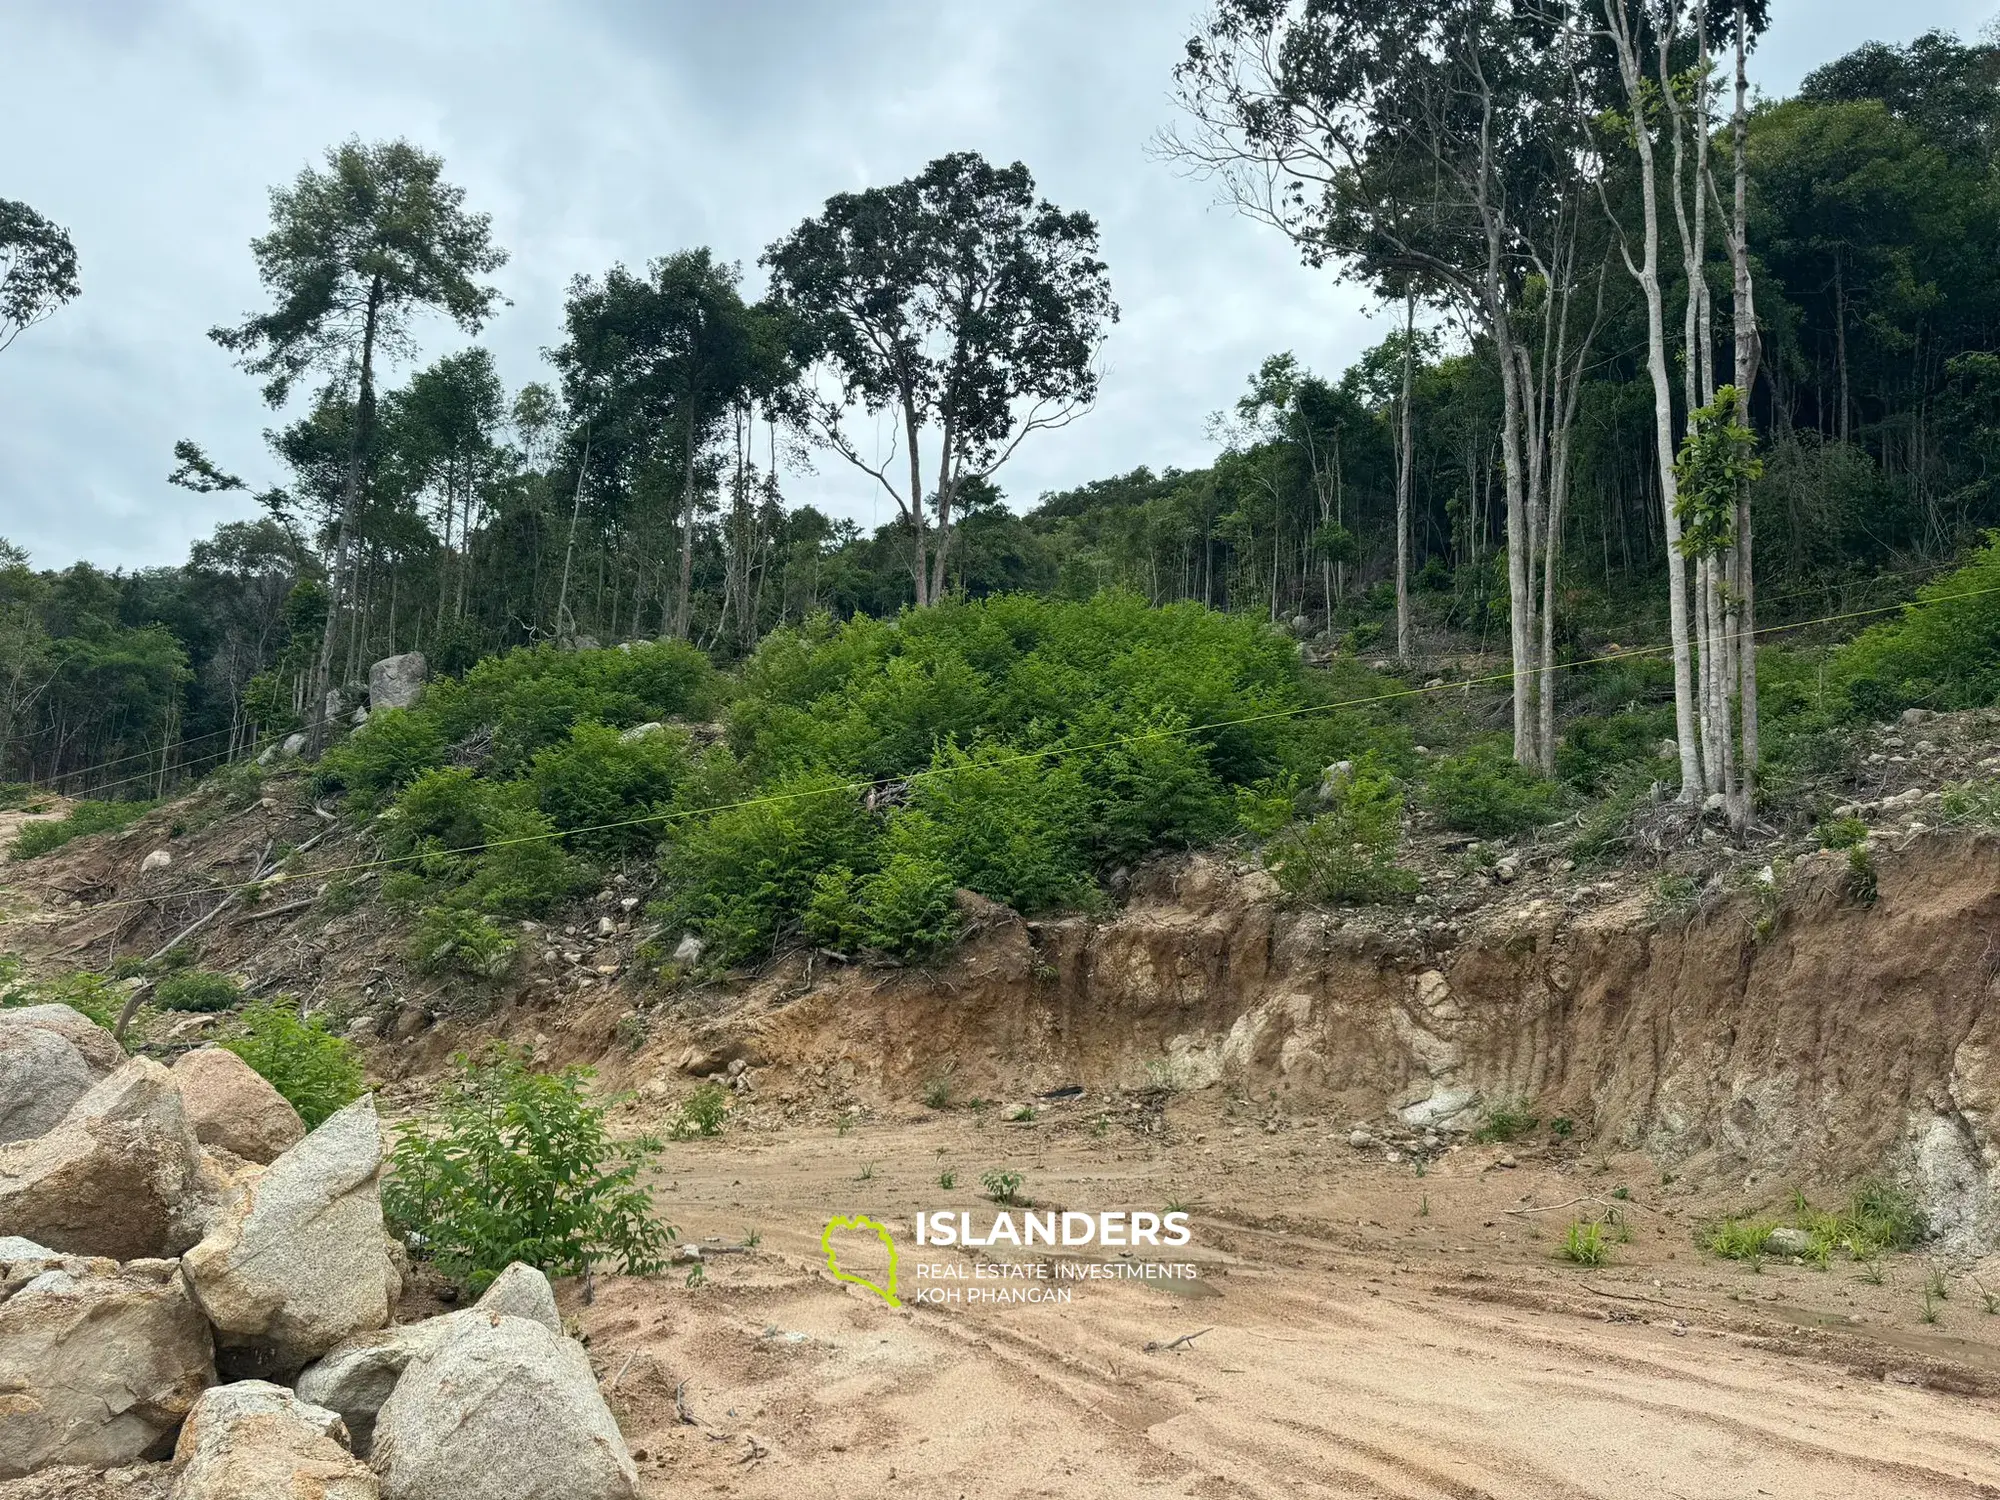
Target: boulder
(294, 745)
(252, 1440)
(641, 731)
(50, 1056)
(1785, 1240)
(397, 681)
(120, 1176)
(356, 1378)
(501, 1410)
(232, 1107)
(159, 859)
(98, 1364)
(298, 1261)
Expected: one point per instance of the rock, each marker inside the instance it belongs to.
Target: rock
(119, 1176)
(1507, 871)
(1714, 802)
(1017, 1112)
(252, 1440)
(521, 1291)
(397, 681)
(159, 859)
(50, 1057)
(296, 1263)
(1508, 1162)
(231, 1106)
(359, 716)
(1788, 1241)
(641, 732)
(356, 1378)
(335, 706)
(1360, 1140)
(1667, 750)
(1915, 715)
(98, 1365)
(501, 1410)
(606, 927)
(688, 951)
(293, 747)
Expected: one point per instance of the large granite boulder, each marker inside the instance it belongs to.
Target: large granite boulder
(501, 1410)
(232, 1107)
(252, 1440)
(299, 1261)
(356, 1378)
(50, 1056)
(397, 681)
(120, 1176)
(98, 1364)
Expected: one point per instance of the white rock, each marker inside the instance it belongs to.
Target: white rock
(159, 859)
(502, 1410)
(397, 681)
(641, 732)
(119, 1176)
(97, 1365)
(689, 950)
(293, 746)
(1360, 1140)
(231, 1106)
(356, 1378)
(1788, 1241)
(252, 1440)
(359, 716)
(50, 1057)
(297, 1263)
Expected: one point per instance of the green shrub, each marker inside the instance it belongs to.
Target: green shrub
(1506, 1122)
(92, 996)
(390, 751)
(907, 907)
(597, 778)
(1841, 833)
(82, 820)
(1736, 1239)
(1484, 790)
(1010, 828)
(1002, 1187)
(197, 990)
(315, 1070)
(702, 1113)
(1583, 1245)
(458, 829)
(1347, 853)
(1943, 652)
(451, 937)
(518, 1165)
(1862, 882)
(742, 877)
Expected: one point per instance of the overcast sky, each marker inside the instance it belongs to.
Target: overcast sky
(605, 130)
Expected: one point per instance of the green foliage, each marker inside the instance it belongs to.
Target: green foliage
(702, 1113)
(1484, 790)
(316, 1071)
(1861, 876)
(1841, 833)
(451, 937)
(1506, 1122)
(197, 990)
(598, 778)
(1012, 828)
(1718, 458)
(1002, 1186)
(1943, 652)
(1736, 1239)
(906, 907)
(82, 820)
(519, 1165)
(743, 877)
(1583, 1244)
(394, 748)
(92, 996)
(484, 839)
(1348, 852)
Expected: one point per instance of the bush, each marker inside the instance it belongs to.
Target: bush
(1506, 1122)
(89, 995)
(317, 1072)
(83, 819)
(197, 990)
(518, 1165)
(1484, 790)
(453, 937)
(394, 748)
(597, 779)
(1012, 829)
(742, 877)
(1347, 853)
(702, 1113)
(906, 907)
(1943, 652)
(1583, 1245)
(463, 829)
(1841, 833)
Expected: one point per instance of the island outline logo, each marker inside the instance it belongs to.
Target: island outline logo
(868, 1225)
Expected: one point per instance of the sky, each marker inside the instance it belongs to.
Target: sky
(599, 131)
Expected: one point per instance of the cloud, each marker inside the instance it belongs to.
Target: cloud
(602, 131)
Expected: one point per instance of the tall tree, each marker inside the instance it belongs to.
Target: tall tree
(37, 269)
(354, 252)
(957, 301)
(656, 364)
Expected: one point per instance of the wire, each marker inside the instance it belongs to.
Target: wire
(1033, 755)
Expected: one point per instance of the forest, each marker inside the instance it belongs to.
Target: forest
(1639, 315)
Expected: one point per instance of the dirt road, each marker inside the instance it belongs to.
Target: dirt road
(1368, 1332)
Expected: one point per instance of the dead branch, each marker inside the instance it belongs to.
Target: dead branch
(1185, 1341)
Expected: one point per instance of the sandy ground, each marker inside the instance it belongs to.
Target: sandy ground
(1362, 1331)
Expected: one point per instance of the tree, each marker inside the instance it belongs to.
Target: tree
(957, 301)
(656, 364)
(441, 434)
(353, 254)
(37, 269)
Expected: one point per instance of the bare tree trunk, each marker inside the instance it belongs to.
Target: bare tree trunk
(350, 512)
(1648, 275)
(1403, 479)
(680, 631)
(1747, 351)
